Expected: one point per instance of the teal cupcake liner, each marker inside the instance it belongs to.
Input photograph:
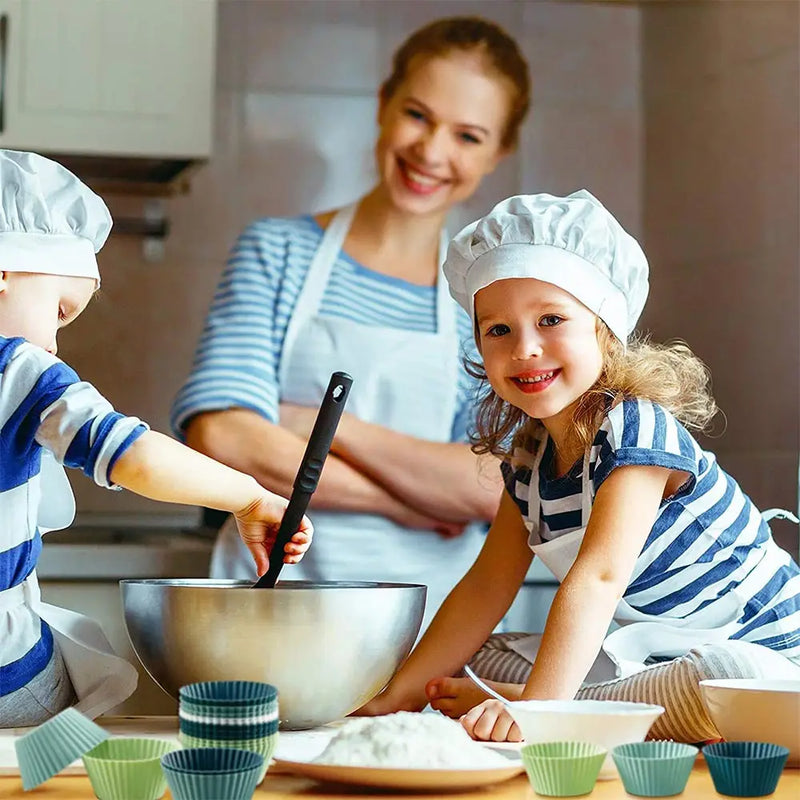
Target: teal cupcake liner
(745, 769)
(248, 711)
(53, 745)
(211, 774)
(264, 747)
(655, 768)
(226, 730)
(128, 768)
(228, 693)
(563, 769)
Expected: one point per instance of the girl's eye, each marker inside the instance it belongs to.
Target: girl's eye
(550, 320)
(415, 113)
(470, 138)
(498, 330)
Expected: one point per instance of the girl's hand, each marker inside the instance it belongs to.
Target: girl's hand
(490, 722)
(258, 526)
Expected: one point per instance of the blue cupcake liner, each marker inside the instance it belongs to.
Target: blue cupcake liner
(655, 768)
(211, 774)
(264, 747)
(212, 730)
(228, 692)
(745, 769)
(249, 711)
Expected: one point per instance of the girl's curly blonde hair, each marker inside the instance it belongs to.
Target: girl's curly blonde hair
(668, 374)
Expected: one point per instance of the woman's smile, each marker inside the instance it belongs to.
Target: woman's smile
(418, 180)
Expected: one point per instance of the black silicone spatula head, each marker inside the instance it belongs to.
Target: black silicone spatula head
(305, 482)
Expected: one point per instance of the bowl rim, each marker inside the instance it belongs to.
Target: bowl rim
(773, 685)
(222, 583)
(592, 709)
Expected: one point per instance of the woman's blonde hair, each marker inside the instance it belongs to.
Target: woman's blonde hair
(668, 374)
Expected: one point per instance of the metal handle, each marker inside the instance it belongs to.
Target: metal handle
(305, 482)
(3, 51)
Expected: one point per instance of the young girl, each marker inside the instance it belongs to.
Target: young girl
(604, 483)
(51, 226)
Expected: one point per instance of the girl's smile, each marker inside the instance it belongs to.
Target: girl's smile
(539, 347)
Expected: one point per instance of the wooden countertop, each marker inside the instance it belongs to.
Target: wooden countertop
(285, 787)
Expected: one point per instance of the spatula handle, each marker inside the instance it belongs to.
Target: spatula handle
(305, 482)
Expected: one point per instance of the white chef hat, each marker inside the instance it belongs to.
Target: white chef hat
(50, 222)
(572, 242)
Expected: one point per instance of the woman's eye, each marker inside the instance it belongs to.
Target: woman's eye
(550, 320)
(498, 330)
(470, 138)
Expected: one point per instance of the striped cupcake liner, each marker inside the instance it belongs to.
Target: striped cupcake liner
(228, 693)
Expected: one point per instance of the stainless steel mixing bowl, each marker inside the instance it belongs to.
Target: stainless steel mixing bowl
(328, 647)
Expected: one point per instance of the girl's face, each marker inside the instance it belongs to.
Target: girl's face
(539, 347)
(36, 306)
(441, 131)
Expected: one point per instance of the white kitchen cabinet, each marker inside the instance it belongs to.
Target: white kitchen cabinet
(108, 77)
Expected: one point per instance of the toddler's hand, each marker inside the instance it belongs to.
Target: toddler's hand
(258, 526)
(490, 722)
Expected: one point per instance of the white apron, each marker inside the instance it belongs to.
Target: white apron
(640, 635)
(403, 380)
(100, 678)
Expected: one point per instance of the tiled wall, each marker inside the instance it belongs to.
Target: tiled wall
(295, 121)
(721, 104)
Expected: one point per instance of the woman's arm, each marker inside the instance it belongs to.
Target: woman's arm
(441, 479)
(160, 468)
(248, 442)
(467, 616)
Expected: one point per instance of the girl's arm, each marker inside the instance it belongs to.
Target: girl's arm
(441, 479)
(161, 468)
(622, 517)
(248, 442)
(467, 616)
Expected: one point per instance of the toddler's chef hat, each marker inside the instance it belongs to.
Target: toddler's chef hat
(50, 222)
(572, 242)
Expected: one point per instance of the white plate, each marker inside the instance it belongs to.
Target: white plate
(396, 778)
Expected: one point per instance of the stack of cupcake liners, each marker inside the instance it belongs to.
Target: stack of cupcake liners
(212, 773)
(745, 769)
(656, 768)
(230, 714)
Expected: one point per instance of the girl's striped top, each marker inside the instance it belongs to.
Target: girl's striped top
(237, 359)
(43, 404)
(708, 538)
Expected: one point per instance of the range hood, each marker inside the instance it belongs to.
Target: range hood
(131, 175)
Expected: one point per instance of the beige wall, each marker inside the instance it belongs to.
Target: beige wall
(721, 102)
(295, 108)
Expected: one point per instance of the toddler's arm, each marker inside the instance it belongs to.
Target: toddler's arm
(160, 468)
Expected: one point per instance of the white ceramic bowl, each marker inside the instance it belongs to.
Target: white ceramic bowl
(604, 722)
(753, 709)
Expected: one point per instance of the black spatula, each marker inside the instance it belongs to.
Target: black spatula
(307, 477)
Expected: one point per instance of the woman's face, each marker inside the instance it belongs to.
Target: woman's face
(441, 132)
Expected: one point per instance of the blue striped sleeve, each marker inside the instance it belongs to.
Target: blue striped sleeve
(236, 362)
(641, 433)
(467, 399)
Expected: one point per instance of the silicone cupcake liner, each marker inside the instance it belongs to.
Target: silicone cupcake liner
(216, 730)
(745, 769)
(211, 774)
(563, 769)
(53, 745)
(245, 712)
(128, 768)
(228, 693)
(264, 747)
(656, 768)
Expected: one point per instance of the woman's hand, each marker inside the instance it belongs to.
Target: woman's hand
(258, 525)
(490, 722)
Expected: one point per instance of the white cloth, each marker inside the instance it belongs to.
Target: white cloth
(572, 242)
(50, 222)
(405, 381)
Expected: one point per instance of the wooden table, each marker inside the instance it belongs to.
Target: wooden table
(288, 787)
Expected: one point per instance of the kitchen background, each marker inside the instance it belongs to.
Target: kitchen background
(682, 117)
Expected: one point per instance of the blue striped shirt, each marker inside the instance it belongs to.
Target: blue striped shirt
(43, 404)
(708, 538)
(237, 359)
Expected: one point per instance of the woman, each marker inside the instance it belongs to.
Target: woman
(360, 290)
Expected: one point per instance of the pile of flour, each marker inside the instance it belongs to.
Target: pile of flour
(410, 741)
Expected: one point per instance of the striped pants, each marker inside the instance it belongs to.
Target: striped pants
(675, 684)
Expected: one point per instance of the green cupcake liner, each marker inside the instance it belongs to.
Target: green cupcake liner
(231, 693)
(211, 774)
(128, 768)
(53, 745)
(745, 769)
(563, 769)
(264, 747)
(655, 768)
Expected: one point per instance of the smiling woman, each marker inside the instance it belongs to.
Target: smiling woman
(359, 289)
